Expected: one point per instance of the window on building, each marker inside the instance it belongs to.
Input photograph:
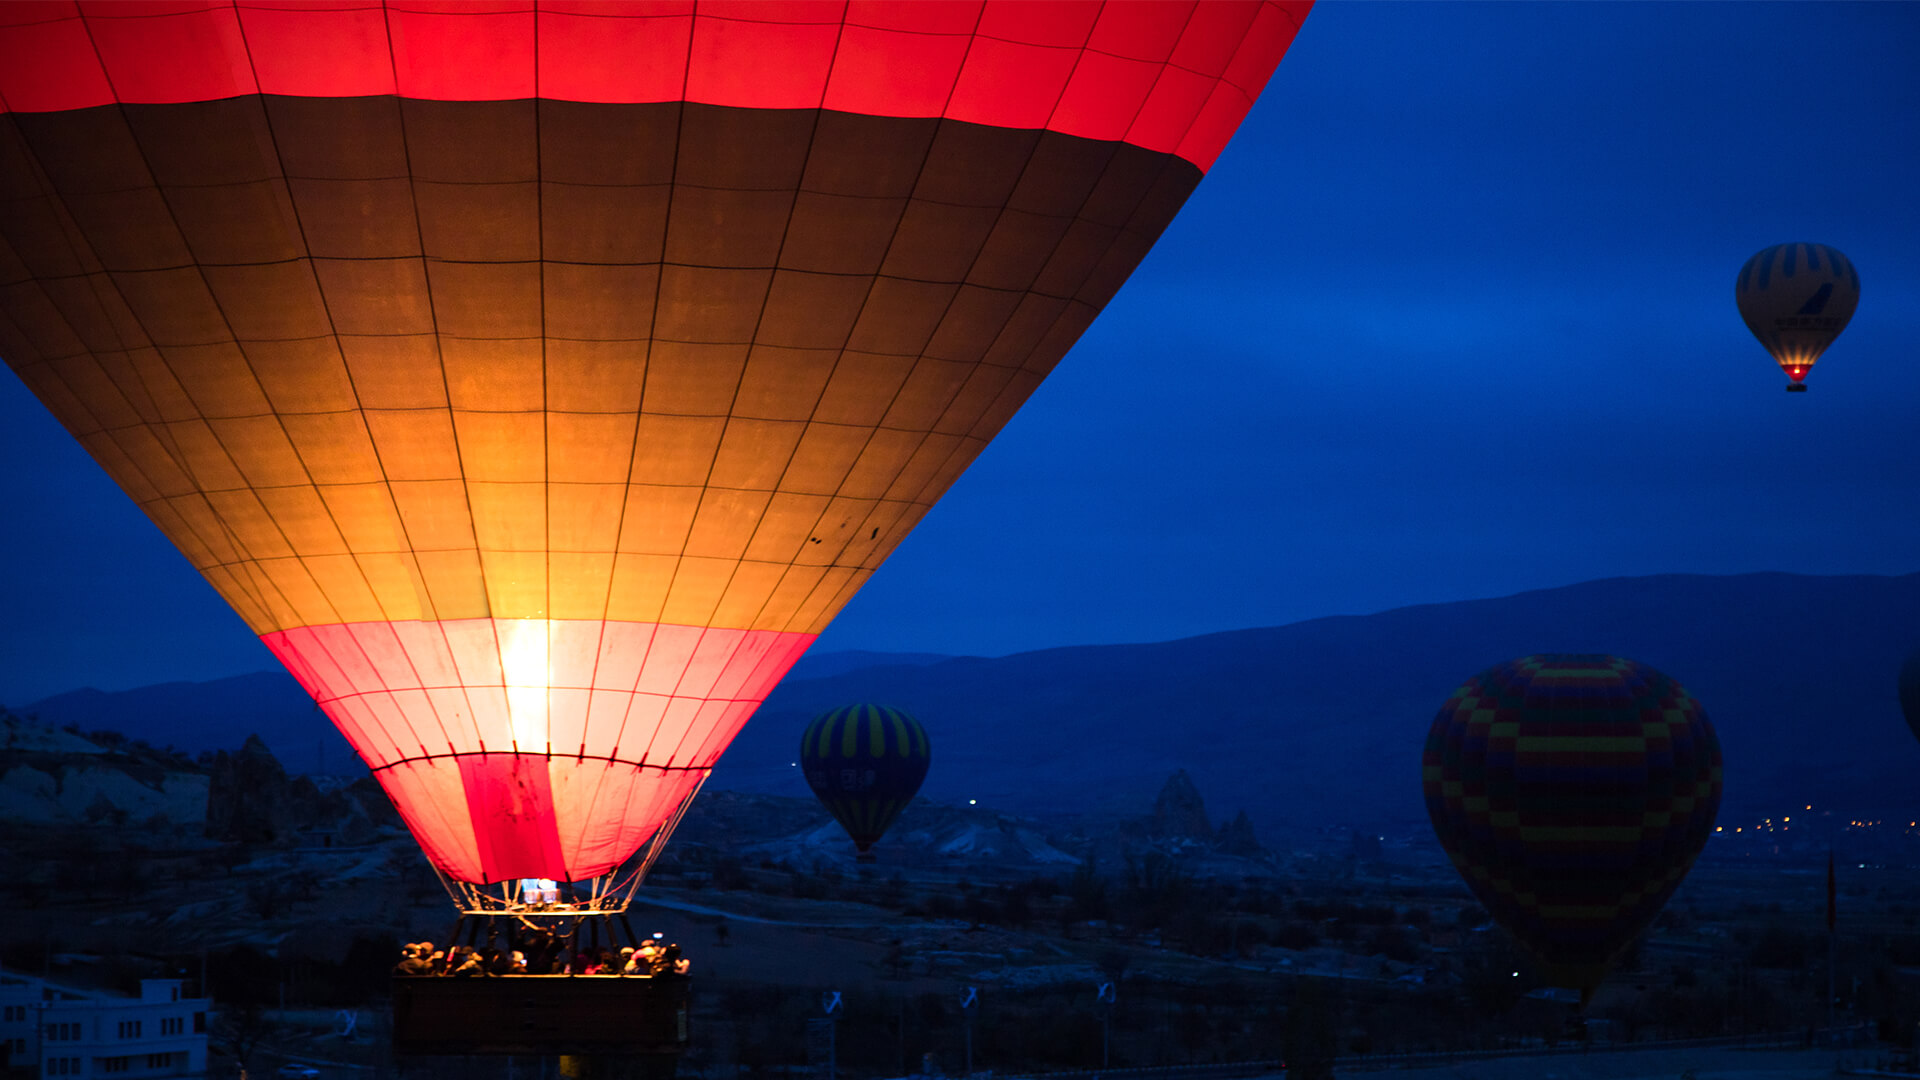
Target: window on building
(159, 1061)
(114, 1064)
(16, 1013)
(199, 1022)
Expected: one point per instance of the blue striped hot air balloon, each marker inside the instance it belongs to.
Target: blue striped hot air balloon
(1796, 298)
(864, 763)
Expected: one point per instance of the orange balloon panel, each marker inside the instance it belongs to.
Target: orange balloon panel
(554, 408)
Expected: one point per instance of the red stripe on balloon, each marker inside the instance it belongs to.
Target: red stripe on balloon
(517, 825)
(1170, 76)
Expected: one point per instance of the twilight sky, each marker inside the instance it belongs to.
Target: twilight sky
(1452, 317)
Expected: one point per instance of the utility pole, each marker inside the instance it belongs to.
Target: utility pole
(968, 1002)
(830, 1004)
(1105, 995)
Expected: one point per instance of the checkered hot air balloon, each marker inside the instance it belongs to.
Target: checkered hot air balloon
(864, 762)
(1572, 793)
(1796, 298)
(539, 379)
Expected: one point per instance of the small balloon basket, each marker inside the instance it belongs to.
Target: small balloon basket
(1796, 388)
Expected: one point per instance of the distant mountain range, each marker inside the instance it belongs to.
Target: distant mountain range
(1311, 724)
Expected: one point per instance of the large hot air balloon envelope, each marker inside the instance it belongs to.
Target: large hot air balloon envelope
(1572, 793)
(538, 380)
(864, 763)
(1796, 298)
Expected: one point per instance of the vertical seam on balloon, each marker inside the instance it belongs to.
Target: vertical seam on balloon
(546, 449)
(660, 783)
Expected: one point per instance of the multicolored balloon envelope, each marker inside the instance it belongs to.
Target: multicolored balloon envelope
(1572, 792)
(1796, 298)
(864, 762)
(539, 379)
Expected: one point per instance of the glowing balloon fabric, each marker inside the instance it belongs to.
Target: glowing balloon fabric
(864, 762)
(539, 380)
(1572, 793)
(1796, 298)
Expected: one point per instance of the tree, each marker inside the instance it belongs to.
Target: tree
(239, 1030)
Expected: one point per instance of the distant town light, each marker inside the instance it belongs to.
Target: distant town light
(1786, 819)
(1719, 828)
(972, 802)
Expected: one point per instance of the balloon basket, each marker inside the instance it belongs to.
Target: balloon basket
(592, 1017)
(1796, 388)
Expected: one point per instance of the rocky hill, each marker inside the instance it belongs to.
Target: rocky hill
(61, 777)
(49, 776)
(1320, 723)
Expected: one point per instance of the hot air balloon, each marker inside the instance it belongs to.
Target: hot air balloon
(1796, 298)
(1910, 691)
(1572, 793)
(864, 763)
(539, 379)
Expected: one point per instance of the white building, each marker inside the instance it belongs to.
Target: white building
(49, 1030)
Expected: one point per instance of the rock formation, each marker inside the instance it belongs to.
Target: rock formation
(1179, 812)
(252, 800)
(1236, 838)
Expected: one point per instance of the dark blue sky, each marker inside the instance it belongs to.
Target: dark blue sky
(1452, 317)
